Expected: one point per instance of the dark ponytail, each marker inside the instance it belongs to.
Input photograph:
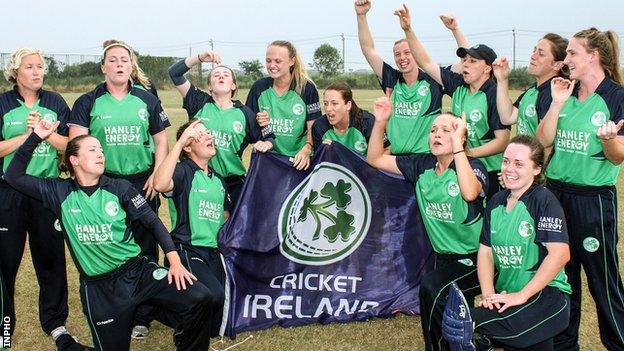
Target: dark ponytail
(558, 46)
(73, 146)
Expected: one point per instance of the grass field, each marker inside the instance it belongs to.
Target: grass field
(399, 333)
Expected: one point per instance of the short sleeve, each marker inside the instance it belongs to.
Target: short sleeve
(544, 100)
(159, 120)
(194, 101)
(311, 99)
(517, 103)
(450, 80)
(551, 224)
(81, 112)
(412, 166)
(319, 128)
(389, 77)
(180, 174)
(479, 170)
(494, 120)
(254, 94)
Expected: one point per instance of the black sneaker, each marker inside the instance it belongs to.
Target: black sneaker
(67, 342)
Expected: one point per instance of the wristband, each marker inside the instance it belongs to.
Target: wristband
(458, 152)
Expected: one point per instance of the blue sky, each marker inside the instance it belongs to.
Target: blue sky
(241, 29)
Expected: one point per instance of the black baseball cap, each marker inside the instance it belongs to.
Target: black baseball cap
(479, 51)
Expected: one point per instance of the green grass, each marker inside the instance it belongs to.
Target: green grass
(399, 333)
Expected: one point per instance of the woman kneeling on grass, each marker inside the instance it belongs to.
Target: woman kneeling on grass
(450, 189)
(96, 212)
(525, 240)
(202, 204)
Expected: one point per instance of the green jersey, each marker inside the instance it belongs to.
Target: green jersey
(414, 107)
(355, 138)
(232, 129)
(96, 219)
(576, 142)
(200, 200)
(13, 117)
(532, 106)
(453, 225)
(123, 127)
(288, 113)
(517, 237)
(481, 113)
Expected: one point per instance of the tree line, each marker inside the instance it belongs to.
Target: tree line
(326, 68)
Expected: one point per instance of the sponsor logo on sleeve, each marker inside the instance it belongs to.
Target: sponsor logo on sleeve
(138, 201)
(551, 224)
(315, 107)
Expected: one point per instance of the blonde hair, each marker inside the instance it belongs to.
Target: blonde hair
(606, 43)
(298, 70)
(137, 73)
(15, 61)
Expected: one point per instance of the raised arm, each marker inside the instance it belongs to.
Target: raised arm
(450, 22)
(365, 37)
(178, 69)
(416, 47)
(376, 155)
(507, 112)
(469, 185)
(561, 89)
(163, 176)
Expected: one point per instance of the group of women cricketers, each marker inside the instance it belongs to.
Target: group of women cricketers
(510, 220)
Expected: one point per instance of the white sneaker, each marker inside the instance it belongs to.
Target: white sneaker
(140, 332)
